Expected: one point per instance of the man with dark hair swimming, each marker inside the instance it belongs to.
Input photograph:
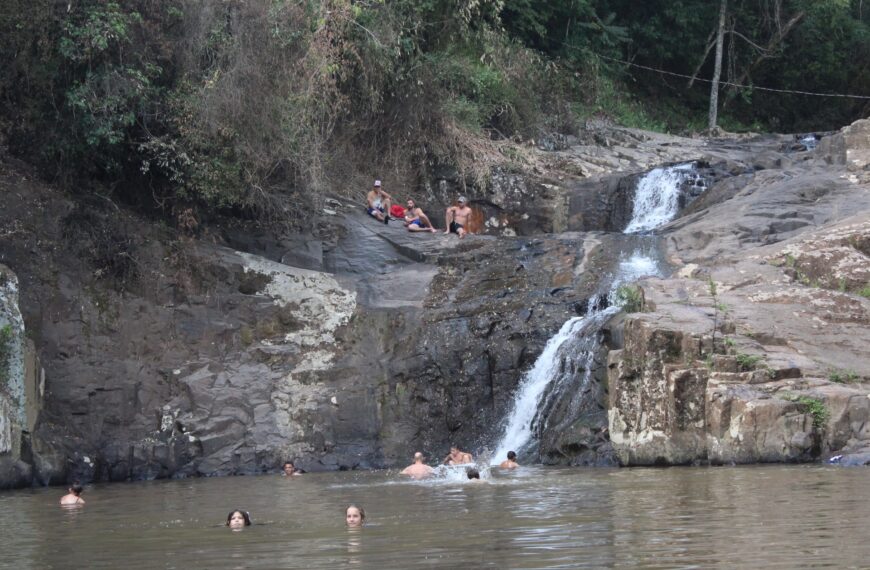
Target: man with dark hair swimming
(510, 462)
(74, 496)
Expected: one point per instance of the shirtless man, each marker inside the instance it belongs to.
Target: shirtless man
(73, 497)
(457, 217)
(416, 220)
(289, 470)
(418, 470)
(378, 203)
(456, 457)
(510, 462)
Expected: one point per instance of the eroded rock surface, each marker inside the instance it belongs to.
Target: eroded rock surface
(756, 350)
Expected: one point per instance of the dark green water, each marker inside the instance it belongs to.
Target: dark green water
(727, 517)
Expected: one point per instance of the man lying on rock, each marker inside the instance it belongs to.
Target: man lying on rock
(416, 220)
(378, 203)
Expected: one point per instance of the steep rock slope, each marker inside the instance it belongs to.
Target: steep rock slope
(757, 349)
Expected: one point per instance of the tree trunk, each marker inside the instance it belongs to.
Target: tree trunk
(717, 70)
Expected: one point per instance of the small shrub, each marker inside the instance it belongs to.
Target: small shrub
(814, 406)
(842, 376)
(630, 298)
(865, 292)
(817, 409)
(246, 336)
(5, 354)
(748, 362)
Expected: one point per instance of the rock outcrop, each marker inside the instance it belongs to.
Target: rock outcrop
(20, 387)
(756, 350)
(169, 353)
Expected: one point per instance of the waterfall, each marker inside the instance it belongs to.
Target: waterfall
(565, 367)
(657, 198)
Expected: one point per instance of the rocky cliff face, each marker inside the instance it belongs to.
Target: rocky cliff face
(171, 353)
(756, 350)
(20, 387)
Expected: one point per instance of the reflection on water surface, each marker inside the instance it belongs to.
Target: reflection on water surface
(746, 517)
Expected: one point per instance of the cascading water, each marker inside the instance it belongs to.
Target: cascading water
(562, 374)
(657, 198)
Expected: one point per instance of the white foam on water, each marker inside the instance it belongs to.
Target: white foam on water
(657, 198)
(518, 429)
(656, 203)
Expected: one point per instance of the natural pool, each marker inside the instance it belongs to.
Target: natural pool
(718, 517)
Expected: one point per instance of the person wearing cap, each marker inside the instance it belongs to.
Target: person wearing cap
(379, 203)
(457, 217)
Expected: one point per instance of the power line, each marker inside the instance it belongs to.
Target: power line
(728, 83)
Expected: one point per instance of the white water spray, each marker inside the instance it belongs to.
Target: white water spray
(657, 198)
(656, 203)
(519, 425)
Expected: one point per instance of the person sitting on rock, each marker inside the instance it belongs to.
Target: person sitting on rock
(289, 470)
(457, 457)
(416, 220)
(73, 496)
(418, 469)
(457, 216)
(510, 462)
(378, 203)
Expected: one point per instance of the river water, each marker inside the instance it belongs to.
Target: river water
(536, 517)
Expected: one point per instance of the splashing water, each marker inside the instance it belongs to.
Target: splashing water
(657, 198)
(572, 350)
(519, 424)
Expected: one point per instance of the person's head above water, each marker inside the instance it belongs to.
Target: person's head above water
(238, 519)
(472, 473)
(354, 516)
(512, 455)
(288, 468)
(418, 457)
(76, 489)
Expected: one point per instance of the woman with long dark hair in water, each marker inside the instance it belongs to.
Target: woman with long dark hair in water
(238, 519)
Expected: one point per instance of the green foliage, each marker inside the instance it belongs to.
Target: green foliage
(630, 298)
(842, 376)
(258, 108)
(747, 362)
(814, 406)
(5, 354)
(865, 292)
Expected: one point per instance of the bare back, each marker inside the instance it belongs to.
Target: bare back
(418, 471)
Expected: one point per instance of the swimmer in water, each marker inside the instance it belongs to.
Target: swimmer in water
(354, 516)
(289, 470)
(73, 497)
(457, 457)
(510, 462)
(418, 470)
(473, 475)
(238, 519)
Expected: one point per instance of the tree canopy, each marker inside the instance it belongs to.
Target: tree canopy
(239, 105)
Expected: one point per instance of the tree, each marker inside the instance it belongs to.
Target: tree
(717, 70)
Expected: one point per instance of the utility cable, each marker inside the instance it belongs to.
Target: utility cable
(726, 83)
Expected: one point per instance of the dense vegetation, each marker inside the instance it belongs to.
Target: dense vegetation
(258, 107)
